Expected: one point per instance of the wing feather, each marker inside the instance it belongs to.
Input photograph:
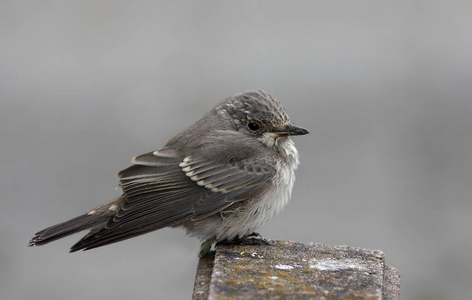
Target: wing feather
(164, 189)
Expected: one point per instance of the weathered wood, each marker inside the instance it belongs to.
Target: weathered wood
(289, 270)
(203, 277)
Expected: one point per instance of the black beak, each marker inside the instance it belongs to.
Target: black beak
(292, 130)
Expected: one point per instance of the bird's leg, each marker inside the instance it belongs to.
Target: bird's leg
(205, 247)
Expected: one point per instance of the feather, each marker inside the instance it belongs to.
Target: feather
(159, 193)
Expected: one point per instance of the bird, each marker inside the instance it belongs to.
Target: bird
(220, 179)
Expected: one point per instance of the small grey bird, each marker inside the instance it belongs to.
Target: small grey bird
(220, 179)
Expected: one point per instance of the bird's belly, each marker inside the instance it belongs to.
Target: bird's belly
(243, 218)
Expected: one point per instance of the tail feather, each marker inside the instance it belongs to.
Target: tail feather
(66, 228)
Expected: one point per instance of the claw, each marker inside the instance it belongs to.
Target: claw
(252, 239)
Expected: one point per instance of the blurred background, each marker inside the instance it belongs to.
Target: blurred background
(383, 86)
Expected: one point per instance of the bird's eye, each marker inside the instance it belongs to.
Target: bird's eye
(253, 126)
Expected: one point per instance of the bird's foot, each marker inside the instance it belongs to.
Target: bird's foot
(256, 238)
(251, 239)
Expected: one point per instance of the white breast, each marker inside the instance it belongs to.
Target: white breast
(258, 211)
(243, 218)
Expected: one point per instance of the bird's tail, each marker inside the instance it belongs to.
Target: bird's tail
(94, 220)
(61, 230)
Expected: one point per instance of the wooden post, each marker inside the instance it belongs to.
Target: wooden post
(289, 270)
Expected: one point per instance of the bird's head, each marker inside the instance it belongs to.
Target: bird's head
(258, 114)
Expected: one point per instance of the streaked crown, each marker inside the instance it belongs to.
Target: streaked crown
(255, 106)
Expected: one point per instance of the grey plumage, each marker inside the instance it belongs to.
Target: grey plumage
(220, 178)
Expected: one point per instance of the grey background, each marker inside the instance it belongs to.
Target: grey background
(384, 87)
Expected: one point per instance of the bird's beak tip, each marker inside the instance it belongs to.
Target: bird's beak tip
(293, 130)
(296, 130)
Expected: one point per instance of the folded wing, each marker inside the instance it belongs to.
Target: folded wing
(164, 189)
